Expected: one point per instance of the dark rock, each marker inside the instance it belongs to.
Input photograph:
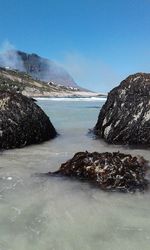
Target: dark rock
(22, 121)
(109, 171)
(125, 117)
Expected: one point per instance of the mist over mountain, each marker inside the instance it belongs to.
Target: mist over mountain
(38, 67)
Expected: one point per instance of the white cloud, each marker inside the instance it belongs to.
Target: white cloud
(9, 57)
(90, 73)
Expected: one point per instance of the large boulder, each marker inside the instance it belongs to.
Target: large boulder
(125, 117)
(22, 121)
(109, 171)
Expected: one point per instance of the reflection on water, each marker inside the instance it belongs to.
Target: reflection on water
(42, 213)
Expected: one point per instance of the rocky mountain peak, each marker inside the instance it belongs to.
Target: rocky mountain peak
(38, 67)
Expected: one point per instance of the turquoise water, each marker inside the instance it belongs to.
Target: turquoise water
(42, 213)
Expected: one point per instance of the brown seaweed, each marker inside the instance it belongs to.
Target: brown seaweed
(109, 171)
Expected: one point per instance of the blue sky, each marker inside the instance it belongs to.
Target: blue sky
(98, 42)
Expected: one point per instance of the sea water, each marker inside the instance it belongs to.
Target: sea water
(38, 212)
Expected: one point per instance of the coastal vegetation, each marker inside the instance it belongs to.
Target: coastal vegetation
(16, 81)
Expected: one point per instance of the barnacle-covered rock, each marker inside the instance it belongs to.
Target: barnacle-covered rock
(125, 117)
(22, 121)
(110, 171)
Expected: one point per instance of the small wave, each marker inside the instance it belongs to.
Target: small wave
(72, 99)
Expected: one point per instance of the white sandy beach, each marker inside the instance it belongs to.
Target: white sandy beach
(63, 94)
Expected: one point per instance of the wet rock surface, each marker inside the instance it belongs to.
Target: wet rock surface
(22, 121)
(125, 117)
(109, 171)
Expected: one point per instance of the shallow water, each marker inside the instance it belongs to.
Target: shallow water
(43, 213)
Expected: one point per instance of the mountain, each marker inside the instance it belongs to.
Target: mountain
(38, 67)
(16, 81)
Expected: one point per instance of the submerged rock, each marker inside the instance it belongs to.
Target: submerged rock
(22, 121)
(109, 171)
(125, 117)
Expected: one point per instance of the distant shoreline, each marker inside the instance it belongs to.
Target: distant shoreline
(71, 95)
